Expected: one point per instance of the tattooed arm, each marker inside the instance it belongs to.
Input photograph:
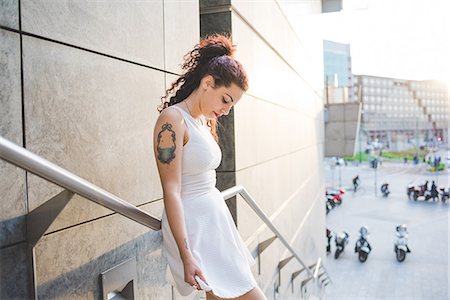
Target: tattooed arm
(168, 147)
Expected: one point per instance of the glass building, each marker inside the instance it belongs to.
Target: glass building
(338, 78)
(399, 112)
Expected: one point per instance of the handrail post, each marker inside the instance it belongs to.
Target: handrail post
(261, 247)
(281, 264)
(316, 270)
(31, 256)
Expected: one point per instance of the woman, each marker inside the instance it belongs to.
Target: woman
(199, 235)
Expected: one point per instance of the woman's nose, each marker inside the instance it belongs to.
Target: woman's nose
(226, 111)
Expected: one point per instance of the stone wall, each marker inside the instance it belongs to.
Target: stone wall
(80, 85)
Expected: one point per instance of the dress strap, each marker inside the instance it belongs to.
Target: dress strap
(178, 108)
(188, 116)
(183, 113)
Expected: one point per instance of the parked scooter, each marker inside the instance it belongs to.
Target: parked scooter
(385, 189)
(445, 194)
(335, 196)
(356, 182)
(418, 193)
(362, 246)
(401, 244)
(341, 239)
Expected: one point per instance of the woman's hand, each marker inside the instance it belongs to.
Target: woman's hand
(191, 268)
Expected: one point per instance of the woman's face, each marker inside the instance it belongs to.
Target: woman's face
(218, 101)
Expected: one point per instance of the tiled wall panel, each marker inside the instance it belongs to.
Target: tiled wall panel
(12, 183)
(94, 116)
(9, 13)
(72, 271)
(131, 30)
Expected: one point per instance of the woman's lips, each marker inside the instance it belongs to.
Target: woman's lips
(217, 115)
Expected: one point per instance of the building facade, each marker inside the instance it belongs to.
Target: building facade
(404, 113)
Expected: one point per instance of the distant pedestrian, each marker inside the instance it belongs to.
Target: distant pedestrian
(425, 186)
(434, 192)
(328, 233)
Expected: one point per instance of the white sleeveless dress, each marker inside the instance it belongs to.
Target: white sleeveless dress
(214, 240)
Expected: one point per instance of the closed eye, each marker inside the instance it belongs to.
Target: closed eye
(224, 101)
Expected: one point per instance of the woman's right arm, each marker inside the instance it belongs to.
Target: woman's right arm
(168, 147)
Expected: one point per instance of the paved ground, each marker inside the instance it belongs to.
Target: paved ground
(425, 272)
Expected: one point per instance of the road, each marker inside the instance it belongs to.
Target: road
(425, 272)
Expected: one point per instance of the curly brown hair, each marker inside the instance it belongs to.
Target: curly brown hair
(212, 56)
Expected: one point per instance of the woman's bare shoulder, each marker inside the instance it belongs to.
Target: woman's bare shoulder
(170, 114)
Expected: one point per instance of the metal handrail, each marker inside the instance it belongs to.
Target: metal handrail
(32, 163)
(239, 189)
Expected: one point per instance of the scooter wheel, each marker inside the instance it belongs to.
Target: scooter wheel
(401, 255)
(337, 253)
(362, 256)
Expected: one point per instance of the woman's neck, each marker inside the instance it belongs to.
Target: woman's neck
(193, 105)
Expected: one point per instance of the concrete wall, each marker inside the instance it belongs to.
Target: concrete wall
(278, 135)
(80, 84)
(342, 129)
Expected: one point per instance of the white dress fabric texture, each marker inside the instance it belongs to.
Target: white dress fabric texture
(213, 238)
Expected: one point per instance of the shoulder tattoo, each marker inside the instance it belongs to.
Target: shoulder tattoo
(166, 144)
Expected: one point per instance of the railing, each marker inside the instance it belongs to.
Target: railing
(313, 270)
(32, 163)
(40, 219)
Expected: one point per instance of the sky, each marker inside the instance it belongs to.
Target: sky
(407, 39)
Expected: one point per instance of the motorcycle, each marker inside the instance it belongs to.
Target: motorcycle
(362, 246)
(385, 189)
(335, 196)
(418, 193)
(401, 244)
(341, 239)
(445, 194)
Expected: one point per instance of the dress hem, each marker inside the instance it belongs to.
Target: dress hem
(239, 294)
